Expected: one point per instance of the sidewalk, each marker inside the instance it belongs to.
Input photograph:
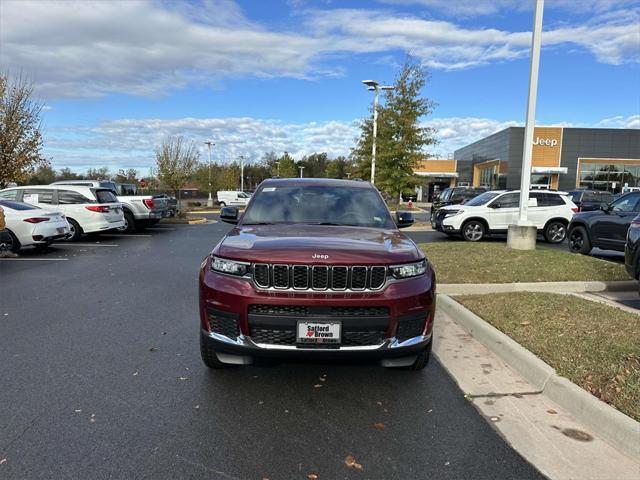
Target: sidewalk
(544, 433)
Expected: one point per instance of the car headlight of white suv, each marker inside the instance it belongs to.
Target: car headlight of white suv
(409, 270)
(452, 213)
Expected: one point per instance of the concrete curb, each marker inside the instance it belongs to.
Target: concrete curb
(616, 428)
(548, 287)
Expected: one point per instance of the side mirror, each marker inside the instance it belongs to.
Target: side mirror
(404, 219)
(229, 214)
(495, 205)
(606, 207)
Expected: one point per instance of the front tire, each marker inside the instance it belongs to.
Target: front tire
(209, 357)
(579, 241)
(423, 359)
(555, 232)
(473, 231)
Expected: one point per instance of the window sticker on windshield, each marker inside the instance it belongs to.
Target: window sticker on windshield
(30, 198)
(268, 189)
(533, 202)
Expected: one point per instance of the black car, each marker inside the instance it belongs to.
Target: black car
(632, 249)
(587, 200)
(605, 228)
(453, 196)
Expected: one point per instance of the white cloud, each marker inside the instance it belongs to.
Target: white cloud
(632, 121)
(130, 143)
(142, 47)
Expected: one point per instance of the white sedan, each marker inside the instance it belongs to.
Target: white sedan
(28, 225)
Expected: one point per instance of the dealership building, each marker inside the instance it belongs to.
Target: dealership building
(563, 159)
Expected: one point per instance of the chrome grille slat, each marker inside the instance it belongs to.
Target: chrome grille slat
(319, 277)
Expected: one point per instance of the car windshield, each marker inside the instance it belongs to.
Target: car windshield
(17, 205)
(320, 205)
(482, 199)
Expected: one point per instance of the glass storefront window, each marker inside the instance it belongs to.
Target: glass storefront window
(608, 177)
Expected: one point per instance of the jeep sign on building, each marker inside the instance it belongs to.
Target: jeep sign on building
(563, 159)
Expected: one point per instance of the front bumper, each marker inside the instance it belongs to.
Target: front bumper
(404, 329)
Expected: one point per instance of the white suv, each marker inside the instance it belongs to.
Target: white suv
(87, 209)
(493, 212)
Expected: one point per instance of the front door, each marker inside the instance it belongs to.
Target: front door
(504, 211)
(610, 231)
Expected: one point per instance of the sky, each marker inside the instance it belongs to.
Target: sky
(256, 76)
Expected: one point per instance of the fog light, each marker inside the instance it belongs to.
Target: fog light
(37, 238)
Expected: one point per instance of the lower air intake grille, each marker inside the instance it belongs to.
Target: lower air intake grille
(409, 327)
(223, 323)
(273, 336)
(294, 310)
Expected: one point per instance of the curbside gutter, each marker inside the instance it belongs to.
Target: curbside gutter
(546, 287)
(615, 427)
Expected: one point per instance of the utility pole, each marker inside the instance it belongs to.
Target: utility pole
(301, 169)
(241, 173)
(522, 234)
(375, 88)
(209, 143)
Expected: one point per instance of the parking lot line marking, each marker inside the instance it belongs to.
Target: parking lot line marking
(27, 259)
(87, 245)
(124, 235)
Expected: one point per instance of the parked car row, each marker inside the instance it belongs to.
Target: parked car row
(37, 215)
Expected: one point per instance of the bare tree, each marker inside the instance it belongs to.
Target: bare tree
(20, 137)
(176, 161)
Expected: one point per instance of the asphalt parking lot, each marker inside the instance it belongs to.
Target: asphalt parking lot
(102, 378)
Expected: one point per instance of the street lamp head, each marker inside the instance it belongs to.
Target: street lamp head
(372, 84)
(387, 87)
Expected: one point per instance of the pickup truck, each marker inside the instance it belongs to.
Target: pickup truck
(140, 211)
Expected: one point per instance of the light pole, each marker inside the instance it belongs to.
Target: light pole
(301, 169)
(375, 87)
(522, 235)
(241, 173)
(277, 169)
(209, 143)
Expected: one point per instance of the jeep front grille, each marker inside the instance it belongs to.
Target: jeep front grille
(319, 277)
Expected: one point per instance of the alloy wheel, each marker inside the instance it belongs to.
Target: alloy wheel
(557, 232)
(473, 232)
(576, 241)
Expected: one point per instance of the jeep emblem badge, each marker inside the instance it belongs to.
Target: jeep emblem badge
(319, 256)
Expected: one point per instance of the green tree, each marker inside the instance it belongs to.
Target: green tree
(315, 165)
(176, 162)
(128, 176)
(20, 137)
(44, 175)
(404, 145)
(66, 174)
(287, 167)
(339, 168)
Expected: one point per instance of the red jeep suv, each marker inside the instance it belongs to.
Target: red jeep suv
(316, 269)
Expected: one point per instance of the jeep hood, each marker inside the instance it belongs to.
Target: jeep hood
(317, 244)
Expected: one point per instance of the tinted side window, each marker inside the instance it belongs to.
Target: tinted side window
(551, 200)
(37, 196)
(628, 203)
(105, 196)
(68, 197)
(508, 200)
(605, 197)
(9, 194)
(590, 197)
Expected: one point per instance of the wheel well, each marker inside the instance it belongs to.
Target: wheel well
(564, 221)
(477, 219)
(77, 223)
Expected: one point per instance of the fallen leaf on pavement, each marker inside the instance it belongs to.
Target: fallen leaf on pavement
(551, 411)
(78, 411)
(183, 378)
(379, 404)
(525, 323)
(4, 460)
(350, 462)
(317, 385)
(379, 425)
(92, 418)
(135, 374)
(312, 476)
(153, 349)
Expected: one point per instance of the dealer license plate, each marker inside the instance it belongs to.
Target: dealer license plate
(319, 332)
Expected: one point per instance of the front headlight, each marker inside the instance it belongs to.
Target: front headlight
(452, 213)
(409, 270)
(231, 267)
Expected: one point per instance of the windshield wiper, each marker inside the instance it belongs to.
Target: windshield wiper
(335, 224)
